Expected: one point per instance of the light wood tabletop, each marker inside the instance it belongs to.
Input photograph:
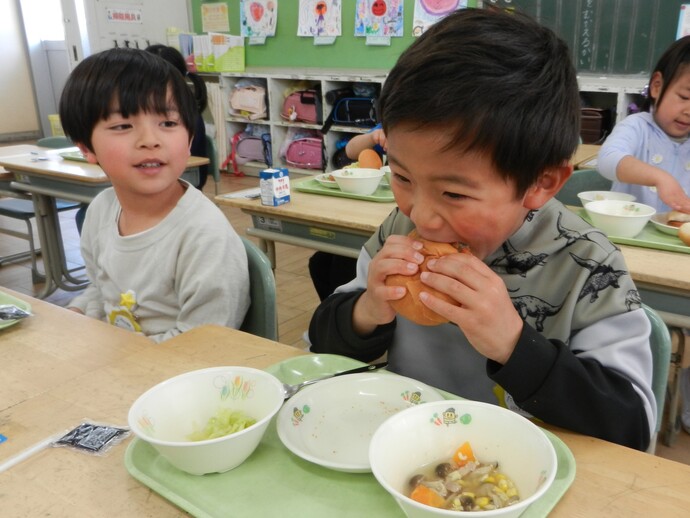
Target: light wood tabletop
(60, 368)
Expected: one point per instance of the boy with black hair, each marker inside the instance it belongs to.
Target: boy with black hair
(161, 257)
(545, 318)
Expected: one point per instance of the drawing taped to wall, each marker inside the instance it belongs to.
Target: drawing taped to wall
(428, 12)
(379, 18)
(258, 18)
(319, 18)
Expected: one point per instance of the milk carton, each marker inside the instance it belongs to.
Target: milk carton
(275, 186)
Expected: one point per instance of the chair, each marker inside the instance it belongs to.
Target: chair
(21, 207)
(660, 342)
(54, 142)
(262, 316)
(192, 174)
(582, 180)
(213, 167)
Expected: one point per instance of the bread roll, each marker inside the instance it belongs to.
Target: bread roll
(676, 218)
(684, 233)
(410, 306)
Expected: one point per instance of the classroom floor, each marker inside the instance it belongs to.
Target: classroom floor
(296, 296)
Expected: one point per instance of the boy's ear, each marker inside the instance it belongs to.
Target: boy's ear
(547, 186)
(88, 155)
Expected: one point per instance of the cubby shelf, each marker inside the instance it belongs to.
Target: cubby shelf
(277, 82)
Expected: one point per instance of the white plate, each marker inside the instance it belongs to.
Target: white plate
(659, 221)
(332, 422)
(324, 179)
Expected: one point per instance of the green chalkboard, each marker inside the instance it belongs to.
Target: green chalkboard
(286, 49)
(608, 36)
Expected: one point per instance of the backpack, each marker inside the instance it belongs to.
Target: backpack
(248, 102)
(307, 153)
(303, 106)
(248, 147)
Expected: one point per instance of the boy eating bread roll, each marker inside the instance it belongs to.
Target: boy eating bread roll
(543, 317)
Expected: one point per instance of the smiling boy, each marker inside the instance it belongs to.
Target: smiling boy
(545, 320)
(160, 256)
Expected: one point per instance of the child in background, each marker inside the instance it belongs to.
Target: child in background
(648, 153)
(328, 271)
(544, 319)
(173, 56)
(161, 257)
(374, 139)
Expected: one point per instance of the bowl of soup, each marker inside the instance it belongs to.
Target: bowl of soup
(458, 456)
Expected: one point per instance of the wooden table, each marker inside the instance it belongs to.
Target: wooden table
(327, 223)
(46, 176)
(584, 154)
(59, 368)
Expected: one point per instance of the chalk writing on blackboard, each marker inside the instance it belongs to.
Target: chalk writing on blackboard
(586, 46)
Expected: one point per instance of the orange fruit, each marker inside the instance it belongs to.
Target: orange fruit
(369, 159)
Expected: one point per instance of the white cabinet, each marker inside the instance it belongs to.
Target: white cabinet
(616, 93)
(278, 82)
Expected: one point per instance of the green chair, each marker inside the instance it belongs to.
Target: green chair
(54, 142)
(262, 316)
(660, 342)
(582, 180)
(213, 167)
(192, 174)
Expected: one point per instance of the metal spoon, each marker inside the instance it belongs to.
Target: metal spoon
(291, 390)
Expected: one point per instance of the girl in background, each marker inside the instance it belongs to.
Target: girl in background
(648, 153)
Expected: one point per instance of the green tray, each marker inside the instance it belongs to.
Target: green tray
(274, 482)
(650, 237)
(382, 194)
(77, 156)
(9, 299)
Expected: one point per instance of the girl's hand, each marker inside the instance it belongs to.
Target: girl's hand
(485, 312)
(672, 194)
(399, 255)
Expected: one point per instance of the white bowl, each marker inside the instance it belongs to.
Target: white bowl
(429, 434)
(358, 180)
(331, 423)
(619, 217)
(387, 173)
(165, 416)
(587, 196)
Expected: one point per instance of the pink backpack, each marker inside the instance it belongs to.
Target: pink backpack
(303, 106)
(307, 153)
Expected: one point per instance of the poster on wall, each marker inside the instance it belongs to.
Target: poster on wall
(215, 18)
(379, 18)
(258, 19)
(319, 18)
(428, 12)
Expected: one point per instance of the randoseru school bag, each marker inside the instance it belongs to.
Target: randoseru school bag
(306, 153)
(248, 102)
(248, 147)
(303, 106)
(355, 111)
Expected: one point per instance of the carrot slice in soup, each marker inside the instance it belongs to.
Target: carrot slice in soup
(424, 495)
(464, 454)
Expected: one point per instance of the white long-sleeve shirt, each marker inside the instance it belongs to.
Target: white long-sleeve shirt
(188, 270)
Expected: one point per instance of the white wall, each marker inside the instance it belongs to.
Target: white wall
(17, 107)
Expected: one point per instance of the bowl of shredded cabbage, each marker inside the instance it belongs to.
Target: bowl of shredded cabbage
(209, 420)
